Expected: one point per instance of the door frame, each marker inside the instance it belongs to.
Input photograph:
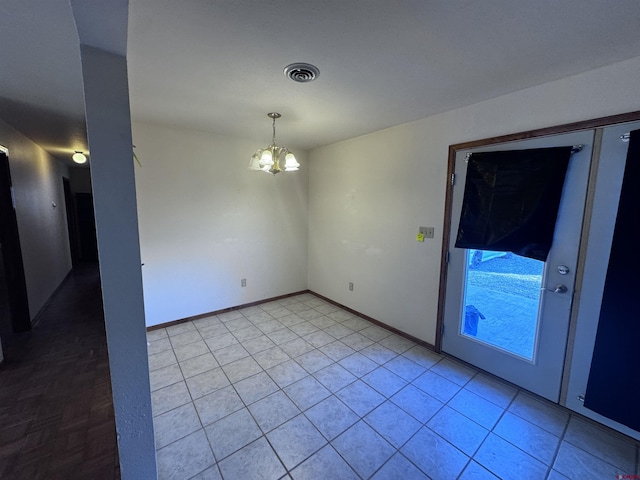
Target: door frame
(72, 222)
(453, 149)
(12, 254)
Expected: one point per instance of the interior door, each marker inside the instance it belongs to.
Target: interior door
(18, 303)
(509, 315)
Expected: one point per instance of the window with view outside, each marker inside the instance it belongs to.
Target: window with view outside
(501, 300)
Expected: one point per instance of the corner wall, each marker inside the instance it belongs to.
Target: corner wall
(369, 195)
(37, 182)
(206, 222)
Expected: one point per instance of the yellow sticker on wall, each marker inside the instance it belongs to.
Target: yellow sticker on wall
(420, 237)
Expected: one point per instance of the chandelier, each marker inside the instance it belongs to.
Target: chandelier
(269, 159)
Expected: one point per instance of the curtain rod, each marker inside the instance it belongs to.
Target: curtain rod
(574, 149)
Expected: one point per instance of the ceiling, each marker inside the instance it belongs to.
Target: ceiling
(217, 65)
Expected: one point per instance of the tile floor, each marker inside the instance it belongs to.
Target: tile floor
(300, 389)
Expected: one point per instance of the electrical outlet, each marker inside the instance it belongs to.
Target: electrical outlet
(243, 282)
(351, 286)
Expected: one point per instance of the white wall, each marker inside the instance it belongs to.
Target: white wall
(37, 182)
(206, 221)
(369, 195)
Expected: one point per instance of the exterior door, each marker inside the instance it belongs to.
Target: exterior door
(606, 187)
(509, 315)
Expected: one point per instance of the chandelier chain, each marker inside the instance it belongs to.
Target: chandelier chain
(273, 139)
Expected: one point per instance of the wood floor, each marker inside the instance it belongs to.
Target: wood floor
(56, 409)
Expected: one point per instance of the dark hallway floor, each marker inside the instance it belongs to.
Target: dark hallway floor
(56, 410)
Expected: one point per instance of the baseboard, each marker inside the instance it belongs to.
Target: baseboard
(46, 304)
(400, 333)
(224, 310)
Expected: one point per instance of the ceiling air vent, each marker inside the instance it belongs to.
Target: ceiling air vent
(302, 72)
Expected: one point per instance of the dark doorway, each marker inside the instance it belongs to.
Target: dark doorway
(15, 300)
(86, 227)
(72, 222)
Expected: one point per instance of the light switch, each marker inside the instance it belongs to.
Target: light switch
(428, 232)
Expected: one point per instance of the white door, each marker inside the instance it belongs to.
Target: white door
(509, 315)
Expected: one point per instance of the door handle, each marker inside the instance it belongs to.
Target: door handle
(558, 289)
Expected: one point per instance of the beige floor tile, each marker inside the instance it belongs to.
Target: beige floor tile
(273, 411)
(232, 433)
(207, 382)
(287, 373)
(506, 461)
(256, 460)
(196, 365)
(185, 458)
(540, 413)
(329, 463)
(255, 388)
(458, 430)
(175, 424)
(306, 392)
(169, 397)
(191, 350)
(528, 437)
(379, 399)
(597, 441)
(162, 359)
(447, 463)
(363, 449)
(165, 376)
(217, 405)
(295, 441)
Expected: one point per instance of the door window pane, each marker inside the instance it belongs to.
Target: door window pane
(501, 300)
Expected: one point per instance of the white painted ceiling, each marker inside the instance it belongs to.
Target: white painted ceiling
(216, 65)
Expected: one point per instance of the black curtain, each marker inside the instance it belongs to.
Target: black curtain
(511, 200)
(613, 389)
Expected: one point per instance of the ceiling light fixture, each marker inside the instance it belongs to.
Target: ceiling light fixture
(79, 157)
(268, 159)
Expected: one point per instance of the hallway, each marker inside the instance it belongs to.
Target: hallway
(56, 410)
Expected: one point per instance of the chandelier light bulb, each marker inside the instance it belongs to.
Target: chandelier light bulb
(267, 158)
(255, 162)
(290, 163)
